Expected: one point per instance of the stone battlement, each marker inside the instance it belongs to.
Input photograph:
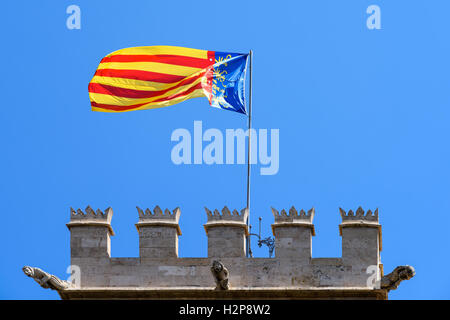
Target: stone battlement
(226, 271)
(158, 264)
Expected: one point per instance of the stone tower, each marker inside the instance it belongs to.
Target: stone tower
(226, 233)
(90, 234)
(158, 233)
(293, 233)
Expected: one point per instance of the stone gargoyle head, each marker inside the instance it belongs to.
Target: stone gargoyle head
(29, 271)
(406, 272)
(217, 266)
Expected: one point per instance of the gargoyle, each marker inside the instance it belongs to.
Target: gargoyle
(392, 280)
(220, 274)
(45, 279)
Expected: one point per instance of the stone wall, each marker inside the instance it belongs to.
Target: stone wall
(159, 266)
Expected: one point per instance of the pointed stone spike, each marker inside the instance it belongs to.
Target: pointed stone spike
(343, 213)
(311, 212)
(108, 211)
(89, 211)
(80, 212)
(235, 213)
(244, 212)
(177, 210)
(99, 212)
(176, 213)
(376, 213)
(369, 213)
(226, 212)
(275, 212)
(208, 212)
(350, 213)
(148, 212)
(72, 211)
(167, 212)
(302, 213)
(140, 212)
(360, 212)
(216, 213)
(293, 211)
(157, 211)
(283, 213)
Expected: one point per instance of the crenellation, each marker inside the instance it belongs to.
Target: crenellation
(227, 215)
(158, 214)
(159, 218)
(90, 214)
(294, 215)
(369, 216)
(158, 264)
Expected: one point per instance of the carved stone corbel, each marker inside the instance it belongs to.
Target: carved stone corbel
(220, 274)
(46, 280)
(392, 280)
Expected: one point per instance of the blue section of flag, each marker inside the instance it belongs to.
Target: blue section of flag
(229, 81)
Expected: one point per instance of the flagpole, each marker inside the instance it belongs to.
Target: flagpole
(249, 151)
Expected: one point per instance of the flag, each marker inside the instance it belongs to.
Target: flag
(158, 76)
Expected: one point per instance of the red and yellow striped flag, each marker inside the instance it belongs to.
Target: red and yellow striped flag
(158, 76)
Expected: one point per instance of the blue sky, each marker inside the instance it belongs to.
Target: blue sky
(363, 119)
